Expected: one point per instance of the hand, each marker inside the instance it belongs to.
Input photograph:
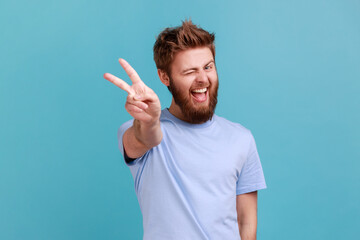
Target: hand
(142, 103)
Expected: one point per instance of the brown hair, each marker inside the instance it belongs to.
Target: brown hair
(176, 39)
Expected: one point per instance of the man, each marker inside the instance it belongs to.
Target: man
(196, 174)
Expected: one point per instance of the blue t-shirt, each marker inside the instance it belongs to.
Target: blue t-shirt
(187, 185)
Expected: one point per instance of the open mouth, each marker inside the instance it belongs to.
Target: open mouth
(200, 94)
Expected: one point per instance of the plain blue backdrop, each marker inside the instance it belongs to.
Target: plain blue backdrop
(288, 70)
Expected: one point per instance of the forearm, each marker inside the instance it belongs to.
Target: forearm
(248, 231)
(149, 134)
(141, 137)
(246, 205)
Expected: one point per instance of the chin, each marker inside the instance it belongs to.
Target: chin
(194, 111)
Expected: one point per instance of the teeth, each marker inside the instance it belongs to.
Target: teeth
(200, 90)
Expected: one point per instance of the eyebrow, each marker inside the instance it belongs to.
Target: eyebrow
(188, 69)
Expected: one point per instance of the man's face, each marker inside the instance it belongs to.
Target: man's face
(194, 84)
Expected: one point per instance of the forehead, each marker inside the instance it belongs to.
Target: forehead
(192, 58)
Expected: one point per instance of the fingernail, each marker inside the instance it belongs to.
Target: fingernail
(137, 97)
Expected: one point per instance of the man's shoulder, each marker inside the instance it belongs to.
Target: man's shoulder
(230, 125)
(233, 130)
(123, 127)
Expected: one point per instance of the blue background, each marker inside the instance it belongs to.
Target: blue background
(288, 70)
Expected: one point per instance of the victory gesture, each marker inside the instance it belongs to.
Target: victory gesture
(142, 103)
(144, 106)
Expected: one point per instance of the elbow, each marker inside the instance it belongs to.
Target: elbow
(247, 230)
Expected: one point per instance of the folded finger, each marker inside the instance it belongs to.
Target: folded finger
(140, 104)
(145, 96)
(132, 108)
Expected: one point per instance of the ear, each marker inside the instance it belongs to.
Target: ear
(164, 78)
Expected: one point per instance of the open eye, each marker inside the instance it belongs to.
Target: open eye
(209, 66)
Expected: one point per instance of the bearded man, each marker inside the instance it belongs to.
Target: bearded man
(196, 174)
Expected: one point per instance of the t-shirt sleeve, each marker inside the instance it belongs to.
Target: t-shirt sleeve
(251, 176)
(121, 131)
(135, 165)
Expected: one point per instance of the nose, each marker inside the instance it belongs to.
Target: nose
(202, 77)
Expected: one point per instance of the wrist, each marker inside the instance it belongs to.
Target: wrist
(147, 124)
(148, 133)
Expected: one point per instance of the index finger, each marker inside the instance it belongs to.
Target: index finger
(118, 82)
(129, 71)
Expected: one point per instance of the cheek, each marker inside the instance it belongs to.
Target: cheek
(183, 88)
(187, 83)
(213, 78)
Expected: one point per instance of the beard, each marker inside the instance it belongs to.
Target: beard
(194, 114)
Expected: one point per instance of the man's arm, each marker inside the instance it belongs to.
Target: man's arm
(141, 137)
(246, 207)
(144, 106)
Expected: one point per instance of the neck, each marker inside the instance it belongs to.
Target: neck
(175, 110)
